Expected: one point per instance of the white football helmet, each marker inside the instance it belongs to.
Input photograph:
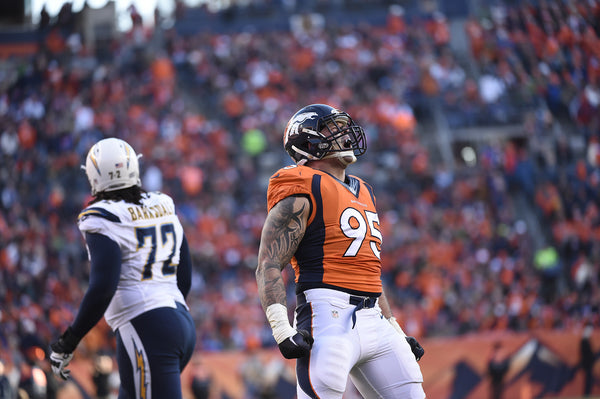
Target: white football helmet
(111, 165)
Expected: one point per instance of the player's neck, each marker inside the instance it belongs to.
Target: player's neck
(332, 166)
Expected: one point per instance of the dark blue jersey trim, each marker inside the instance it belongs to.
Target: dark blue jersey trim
(370, 190)
(309, 254)
(101, 212)
(353, 185)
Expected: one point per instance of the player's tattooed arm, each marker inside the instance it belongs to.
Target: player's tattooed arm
(282, 232)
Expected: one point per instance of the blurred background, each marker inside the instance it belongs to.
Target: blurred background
(482, 120)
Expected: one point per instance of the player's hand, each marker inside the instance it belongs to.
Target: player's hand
(59, 362)
(62, 353)
(296, 346)
(415, 347)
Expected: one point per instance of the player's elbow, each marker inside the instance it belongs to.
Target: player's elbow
(258, 272)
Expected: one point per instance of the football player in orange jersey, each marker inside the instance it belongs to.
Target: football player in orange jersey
(325, 223)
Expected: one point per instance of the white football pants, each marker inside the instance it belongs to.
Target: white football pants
(377, 358)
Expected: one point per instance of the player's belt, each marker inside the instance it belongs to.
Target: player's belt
(359, 302)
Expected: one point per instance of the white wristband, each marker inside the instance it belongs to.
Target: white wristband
(280, 324)
(396, 326)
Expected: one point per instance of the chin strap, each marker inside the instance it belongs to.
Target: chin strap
(342, 157)
(347, 162)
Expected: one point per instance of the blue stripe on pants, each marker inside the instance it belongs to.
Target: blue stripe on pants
(165, 339)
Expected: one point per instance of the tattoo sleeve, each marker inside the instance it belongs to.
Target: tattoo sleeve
(282, 232)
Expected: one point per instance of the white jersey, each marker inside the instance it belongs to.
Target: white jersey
(150, 238)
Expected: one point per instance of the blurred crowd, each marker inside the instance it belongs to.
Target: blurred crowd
(207, 111)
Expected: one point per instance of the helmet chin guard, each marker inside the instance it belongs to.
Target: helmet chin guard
(111, 165)
(345, 157)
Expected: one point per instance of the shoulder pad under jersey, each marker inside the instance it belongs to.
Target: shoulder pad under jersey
(291, 180)
(98, 212)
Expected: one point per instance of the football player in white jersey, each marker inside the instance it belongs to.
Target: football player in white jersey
(139, 278)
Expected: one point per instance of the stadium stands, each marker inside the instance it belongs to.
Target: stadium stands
(505, 241)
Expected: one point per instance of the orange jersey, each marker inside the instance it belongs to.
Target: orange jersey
(342, 243)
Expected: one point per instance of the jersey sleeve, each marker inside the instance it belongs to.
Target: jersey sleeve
(293, 180)
(105, 269)
(95, 219)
